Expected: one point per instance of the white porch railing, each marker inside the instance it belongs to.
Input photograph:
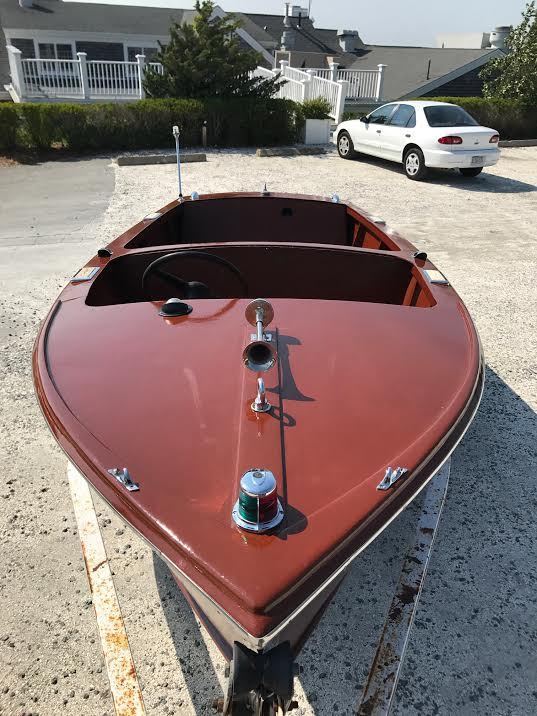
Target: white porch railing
(364, 85)
(76, 79)
(300, 86)
(334, 85)
(81, 79)
(53, 77)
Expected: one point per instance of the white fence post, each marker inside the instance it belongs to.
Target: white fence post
(333, 70)
(15, 70)
(306, 89)
(83, 68)
(140, 59)
(380, 83)
(342, 96)
(283, 65)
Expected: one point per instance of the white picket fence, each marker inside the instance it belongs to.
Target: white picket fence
(76, 79)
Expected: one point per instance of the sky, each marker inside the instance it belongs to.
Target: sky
(389, 22)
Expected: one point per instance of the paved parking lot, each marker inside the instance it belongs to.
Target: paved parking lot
(472, 649)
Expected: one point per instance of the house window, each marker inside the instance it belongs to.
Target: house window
(25, 46)
(55, 51)
(101, 50)
(149, 52)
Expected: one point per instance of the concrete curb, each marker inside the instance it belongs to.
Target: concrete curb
(290, 151)
(518, 143)
(129, 161)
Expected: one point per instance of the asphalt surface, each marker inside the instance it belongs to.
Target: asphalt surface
(472, 647)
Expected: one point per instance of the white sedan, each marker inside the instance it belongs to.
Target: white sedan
(421, 135)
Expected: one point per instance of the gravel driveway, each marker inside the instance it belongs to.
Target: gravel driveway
(472, 650)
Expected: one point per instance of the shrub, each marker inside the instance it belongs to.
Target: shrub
(147, 124)
(509, 117)
(206, 58)
(39, 124)
(318, 108)
(8, 126)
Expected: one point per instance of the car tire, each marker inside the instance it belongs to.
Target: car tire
(414, 164)
(345, 147)
(471, 171)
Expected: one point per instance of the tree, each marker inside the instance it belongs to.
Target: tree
(515, 75)
(207, 59)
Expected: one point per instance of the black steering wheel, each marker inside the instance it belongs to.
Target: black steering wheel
(190, 289)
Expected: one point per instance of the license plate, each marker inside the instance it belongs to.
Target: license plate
(478, 160)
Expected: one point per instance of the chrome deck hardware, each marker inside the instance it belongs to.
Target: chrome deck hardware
(261, 404)
(435, 276)
(391, 477)
(259, 355)
(123, 476)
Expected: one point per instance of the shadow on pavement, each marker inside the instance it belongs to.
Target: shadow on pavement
(475, 624)
(484, 183)
(192, 655)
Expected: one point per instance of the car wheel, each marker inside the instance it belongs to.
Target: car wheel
(414, 163)
(345, 147)
(471, 172)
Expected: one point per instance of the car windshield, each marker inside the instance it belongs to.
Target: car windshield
(449, 116)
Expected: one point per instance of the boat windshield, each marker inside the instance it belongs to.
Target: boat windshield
(449, 116)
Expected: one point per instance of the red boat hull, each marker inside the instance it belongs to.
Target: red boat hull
(377, 365)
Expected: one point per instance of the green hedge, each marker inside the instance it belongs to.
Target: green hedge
(147, 124)
(509, 117)
(8, 126)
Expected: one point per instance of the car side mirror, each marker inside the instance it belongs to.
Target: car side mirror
(364, 119)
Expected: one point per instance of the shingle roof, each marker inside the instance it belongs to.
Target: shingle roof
(408, 67)
(307, 37)
(91, 17)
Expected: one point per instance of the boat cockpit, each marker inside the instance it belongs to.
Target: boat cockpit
(219, 248)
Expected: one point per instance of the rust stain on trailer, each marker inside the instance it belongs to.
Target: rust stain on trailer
(377, 697)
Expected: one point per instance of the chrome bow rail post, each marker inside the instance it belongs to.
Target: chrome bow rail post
(175, 132)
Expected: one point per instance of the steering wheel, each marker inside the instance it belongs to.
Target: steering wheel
(190, 289)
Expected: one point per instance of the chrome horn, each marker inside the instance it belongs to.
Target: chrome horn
(260, 354)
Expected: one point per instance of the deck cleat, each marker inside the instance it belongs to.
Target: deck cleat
(261, 404)
(258, 508)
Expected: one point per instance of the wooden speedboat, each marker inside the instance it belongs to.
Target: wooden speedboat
(258, 384)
